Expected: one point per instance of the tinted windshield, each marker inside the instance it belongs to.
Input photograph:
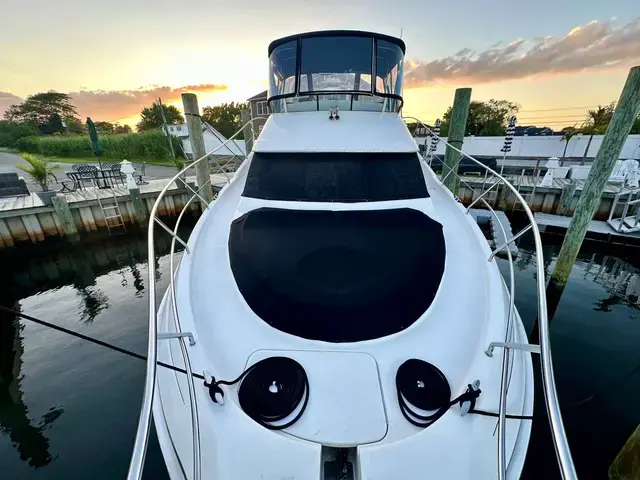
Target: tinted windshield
(319, 71)
(282, 69)
(347, 68)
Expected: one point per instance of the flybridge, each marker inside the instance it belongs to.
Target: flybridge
(351, 70)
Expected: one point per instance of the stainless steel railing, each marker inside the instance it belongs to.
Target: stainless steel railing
(136, 464)
(557, 429)
(563, 453)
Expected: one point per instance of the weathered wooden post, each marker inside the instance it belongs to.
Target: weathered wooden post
(617, 132)
(455, 137)
(194, 125)
(626, 465)
(62, 210)
(245, 116)
(139, 208)
(566, 197)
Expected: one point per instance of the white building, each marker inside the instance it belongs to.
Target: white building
(540, 147)
(213, 140)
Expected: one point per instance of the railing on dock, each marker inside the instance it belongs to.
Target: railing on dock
(629, 221)
(493, 180)
(136, 464)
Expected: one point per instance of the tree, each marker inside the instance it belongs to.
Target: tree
(45, 111)
(596, 122)
(10, 132)
(152, 117)
(485, 119)
(75, 126)
(567, 134)
(122, 129)
(51, 126)
(225, 118)
(106, 128)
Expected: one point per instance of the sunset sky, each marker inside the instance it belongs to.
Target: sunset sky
(116, 57)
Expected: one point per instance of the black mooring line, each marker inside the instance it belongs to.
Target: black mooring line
(94, 340)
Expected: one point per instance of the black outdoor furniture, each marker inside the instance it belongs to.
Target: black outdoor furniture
(11, 185)
(74, 183)
(116, 171)
(101, 178)
(88, 173)
(109, 177)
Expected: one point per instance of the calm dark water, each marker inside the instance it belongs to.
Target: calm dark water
(68, 409)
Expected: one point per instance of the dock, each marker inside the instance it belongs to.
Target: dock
(597, 230)
(499, 225)
(540, 199)
(25, 219)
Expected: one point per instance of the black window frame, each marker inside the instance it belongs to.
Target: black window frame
(375, 37)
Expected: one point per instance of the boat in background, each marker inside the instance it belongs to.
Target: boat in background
(336, 312)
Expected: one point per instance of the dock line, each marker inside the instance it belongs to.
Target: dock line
(93, 340)
(130, 353)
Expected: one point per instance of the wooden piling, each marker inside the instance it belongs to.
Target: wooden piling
(455, 137)
(194, 125)
(626, 465)
(614, 138)
(568, 192)
(139, 209)
(245, 116)
(62, 210)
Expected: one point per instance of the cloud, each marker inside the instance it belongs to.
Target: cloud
(111, 105)
(6, 100)
(591, 46)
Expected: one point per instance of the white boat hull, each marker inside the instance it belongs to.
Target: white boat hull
(469, 312)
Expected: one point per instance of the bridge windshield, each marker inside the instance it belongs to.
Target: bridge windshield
(351, 70)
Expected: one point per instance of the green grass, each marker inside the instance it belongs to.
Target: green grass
(8, 150)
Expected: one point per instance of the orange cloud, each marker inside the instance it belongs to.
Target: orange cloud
(591, 46)
(111, 105)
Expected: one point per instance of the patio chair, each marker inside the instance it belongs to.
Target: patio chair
(116, 173)
(88, 173)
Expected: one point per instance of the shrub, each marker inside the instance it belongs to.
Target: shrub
(130, 146)
(11, 132)
(27, 144)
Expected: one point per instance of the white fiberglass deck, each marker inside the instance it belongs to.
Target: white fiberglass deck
(468, 313)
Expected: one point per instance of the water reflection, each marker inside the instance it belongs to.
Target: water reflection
(28, 272)
(616, 276)
(595, 339)
(28, 438)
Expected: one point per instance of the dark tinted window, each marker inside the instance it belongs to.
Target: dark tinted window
(336, 63)
(335, 177)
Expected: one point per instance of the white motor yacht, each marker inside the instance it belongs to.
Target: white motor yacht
(337, 313)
